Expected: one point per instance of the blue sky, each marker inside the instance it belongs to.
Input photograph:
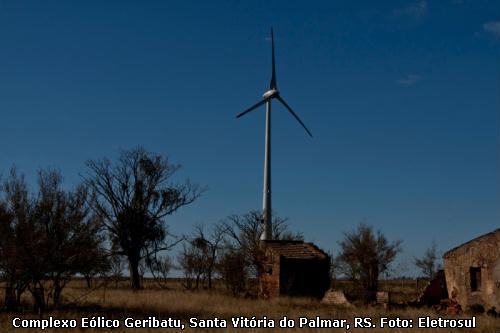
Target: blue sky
(402, 98)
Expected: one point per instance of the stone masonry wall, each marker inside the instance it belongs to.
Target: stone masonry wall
(482, 254)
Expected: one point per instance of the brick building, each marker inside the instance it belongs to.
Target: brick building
(294, 268)
(472, 271)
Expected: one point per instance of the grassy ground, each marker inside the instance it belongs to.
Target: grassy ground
(175, 302)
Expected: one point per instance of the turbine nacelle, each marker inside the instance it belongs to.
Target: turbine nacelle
(270, 93)
(274, 93)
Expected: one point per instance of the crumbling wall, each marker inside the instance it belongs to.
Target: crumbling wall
(293, 268)
(472, 272)
(435, 291)
(270, 276)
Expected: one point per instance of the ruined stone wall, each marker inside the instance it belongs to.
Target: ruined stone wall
(482, 254)
(293, 268)
(270, 277)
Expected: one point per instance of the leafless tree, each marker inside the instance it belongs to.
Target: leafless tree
(199, 256)
(134, 196)
(116, 268)
(365, 255)
(233, 270)
(428, 263)
(210, 243)
(70, 237)
(244, 233)
(100, 266)
(160, 267)
(51, 236)
(15, 210)
(192, 262)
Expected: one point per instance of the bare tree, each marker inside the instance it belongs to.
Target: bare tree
(70, 239)
(160, 267)
(100, 266)
(134, 196)
(233, 271)
(116, 268)
(51, 236)
(244, 233)
(15, 210)
(199, 256)
(243, 248)
(428, 263)
(192, 261)
(365, 255)
(210, 243)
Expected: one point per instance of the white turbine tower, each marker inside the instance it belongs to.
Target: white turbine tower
(267, 97)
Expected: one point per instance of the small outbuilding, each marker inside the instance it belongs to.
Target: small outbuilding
(294, 268)
(472, 272)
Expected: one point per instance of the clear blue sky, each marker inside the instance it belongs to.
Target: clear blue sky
(402, 98)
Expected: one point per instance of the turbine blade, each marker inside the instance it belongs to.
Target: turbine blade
(273, 75)
(294, 114)
(252, 108)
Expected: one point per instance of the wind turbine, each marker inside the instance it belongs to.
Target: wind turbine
(272, 93)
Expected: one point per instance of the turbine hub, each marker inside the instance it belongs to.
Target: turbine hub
(270, 93)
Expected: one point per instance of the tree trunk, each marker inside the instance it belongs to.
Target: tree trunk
(57, 293)
(10, 299)
(19, 292)
(39, 299)
(88, 278)
(370, 283)
(211, 268)
(135, 277)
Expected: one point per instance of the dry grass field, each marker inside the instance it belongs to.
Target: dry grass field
(117, 302)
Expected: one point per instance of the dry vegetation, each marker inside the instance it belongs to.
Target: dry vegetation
(176, 302)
